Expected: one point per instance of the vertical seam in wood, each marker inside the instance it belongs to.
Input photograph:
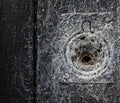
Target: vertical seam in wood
(35, 51)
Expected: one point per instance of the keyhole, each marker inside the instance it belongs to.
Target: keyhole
(87, 26)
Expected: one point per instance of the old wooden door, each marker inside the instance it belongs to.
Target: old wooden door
(59, 51)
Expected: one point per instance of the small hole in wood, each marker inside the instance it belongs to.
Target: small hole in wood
(86, 59)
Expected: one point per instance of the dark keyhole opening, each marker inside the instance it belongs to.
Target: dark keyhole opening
(86, 59)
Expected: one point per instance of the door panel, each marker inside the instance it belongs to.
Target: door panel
(59, 51)
(70, 68)
(16, 51)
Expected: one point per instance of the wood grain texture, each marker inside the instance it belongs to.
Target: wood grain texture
(16, 51)
(49, 88)
(37, 31)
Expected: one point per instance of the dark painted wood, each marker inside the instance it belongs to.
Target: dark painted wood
(16, 51)
(49, 88)
(22, 81)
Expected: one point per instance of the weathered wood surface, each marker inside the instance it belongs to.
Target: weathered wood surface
(16, 51)
(35, 69)
(56, 20)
